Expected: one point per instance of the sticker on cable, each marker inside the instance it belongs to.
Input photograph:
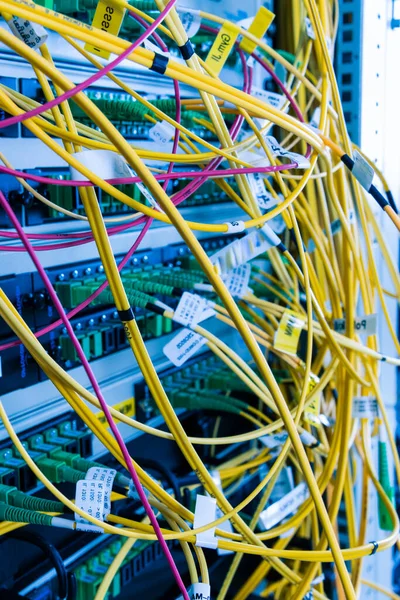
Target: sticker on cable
(221, 48)
(311, 413)
(153, 48)
(191, 310)
(365, 407)
(205, 513)
(32, 34)
(183, 346)
(237, 281)
(288, 334)
(105, 476)
(278, 511)
(367, 324)
(362, 171)
(90, 497)
(198, 591)
(235, 227)
(149, 197)
(242, 251)
(108, 17)
(257, 27)
(191, 20)
(103, 163)
(309, 28)
(278, 150)
(272, 98)
(226, 525)
(162, 132)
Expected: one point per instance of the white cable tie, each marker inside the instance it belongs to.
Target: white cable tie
(205, 513)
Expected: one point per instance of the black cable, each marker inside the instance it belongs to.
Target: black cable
(51, 553)
(72, 587)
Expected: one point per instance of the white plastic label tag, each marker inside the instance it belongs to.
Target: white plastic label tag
(315, 119)
(105, 476)
(278, 511)
(192, 309)
(274, 440)
(103, 163)
(278, 150)
(365, 407)
(191, 20)
(88, 527)
(161, 133)
(32, 34)
(362, 171)
(153, 48)
(235, 227)
(258, 189)
(242, 251)
(205, 513)
(198, 591)
(237, 281)
(309, 28)
(226, 525)
(272, 98)
(183, 346)
(143, 190)
(367, 324)
(89, 496)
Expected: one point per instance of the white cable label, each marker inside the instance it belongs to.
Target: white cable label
(367, 324)
(32, 34)
(191, 310)
(153, 48)
(309, 28)
(226, 525)
(90, 497)
(365, 407)
(205, 513)
(242, 251)
(105, 476)
(235, 227)
(162, 132)
(153, 202)
(362, 171)
(278, 150)
(198, 591)
(191, 20)
(258, 189)
(237, 281)
(183, 346)
(275, 513)
(274, 440)
(103, 163)
(272, 98)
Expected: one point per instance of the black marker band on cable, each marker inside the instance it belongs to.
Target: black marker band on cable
(375, 548)
(126, 315)
(349, 162)
(378, 197)
(281, 247)
(187, 50)
(159, 310)
(160, 63)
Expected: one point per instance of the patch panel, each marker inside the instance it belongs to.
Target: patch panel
(33, 212)
(65, 433)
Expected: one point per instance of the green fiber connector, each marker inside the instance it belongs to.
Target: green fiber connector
(96, 344)
(59, 472)
(64, 291)
(52, 436)
(67, 430)
(385, 520)
(96, 567)
(6, 474)
(22, 515)
(18, 465)
(38, 443)
(88, 583)
(13, 497)
(155, 326)
(68, 351)
(46, 3)
(34, 454)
